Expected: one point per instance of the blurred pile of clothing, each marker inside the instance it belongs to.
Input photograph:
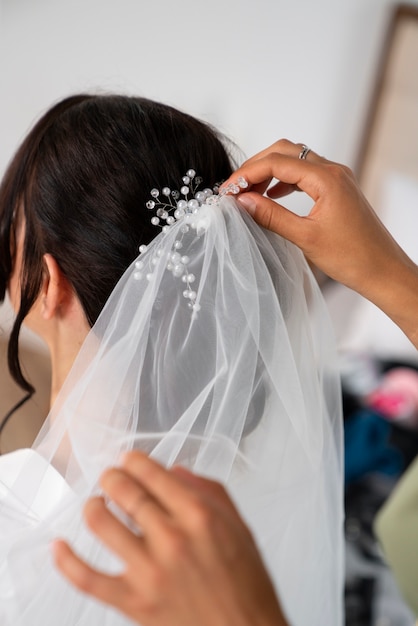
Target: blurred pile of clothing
(380, 405)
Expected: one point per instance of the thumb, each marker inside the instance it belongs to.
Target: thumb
(273, 216)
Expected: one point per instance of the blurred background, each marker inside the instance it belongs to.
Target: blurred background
(323, 72)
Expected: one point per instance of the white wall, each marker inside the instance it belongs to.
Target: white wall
(260, 70)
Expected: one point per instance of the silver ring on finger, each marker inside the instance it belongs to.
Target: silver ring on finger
(304, 152)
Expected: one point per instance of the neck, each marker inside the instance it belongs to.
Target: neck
(63, 356)
(64, 345)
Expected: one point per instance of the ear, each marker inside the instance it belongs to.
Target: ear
(56, 289)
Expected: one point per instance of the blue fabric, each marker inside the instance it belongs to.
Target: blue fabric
(368, 448)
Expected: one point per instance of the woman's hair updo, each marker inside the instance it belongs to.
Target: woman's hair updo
(80, 181)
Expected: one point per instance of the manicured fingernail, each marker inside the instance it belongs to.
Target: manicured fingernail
(247, 202)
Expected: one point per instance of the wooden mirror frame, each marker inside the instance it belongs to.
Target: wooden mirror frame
(390, 140)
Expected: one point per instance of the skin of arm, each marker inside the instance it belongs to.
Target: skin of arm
(342, 235)
(195, 561)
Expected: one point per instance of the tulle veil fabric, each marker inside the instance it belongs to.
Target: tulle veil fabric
(244, 390)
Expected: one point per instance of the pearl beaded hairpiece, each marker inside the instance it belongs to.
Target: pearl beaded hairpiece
(182, 205)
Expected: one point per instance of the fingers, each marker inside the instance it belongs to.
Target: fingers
(276, 217)
(127, 492)
(163, 486)
(114, 533)
(84, 577)
(175, 499)
(281, 161)
(280, 189)
(321, 179)
(208, 488)
(158, 500)
(287, 169)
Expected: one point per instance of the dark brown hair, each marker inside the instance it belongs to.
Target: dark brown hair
(80, 181)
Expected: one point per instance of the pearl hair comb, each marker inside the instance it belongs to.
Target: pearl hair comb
(171, 206)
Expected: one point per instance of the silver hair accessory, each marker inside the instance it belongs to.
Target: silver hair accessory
(171, 206)
(304, 152)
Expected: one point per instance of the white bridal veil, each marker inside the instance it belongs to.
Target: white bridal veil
(224, 363)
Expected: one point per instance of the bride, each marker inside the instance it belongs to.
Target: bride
(176, 326)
